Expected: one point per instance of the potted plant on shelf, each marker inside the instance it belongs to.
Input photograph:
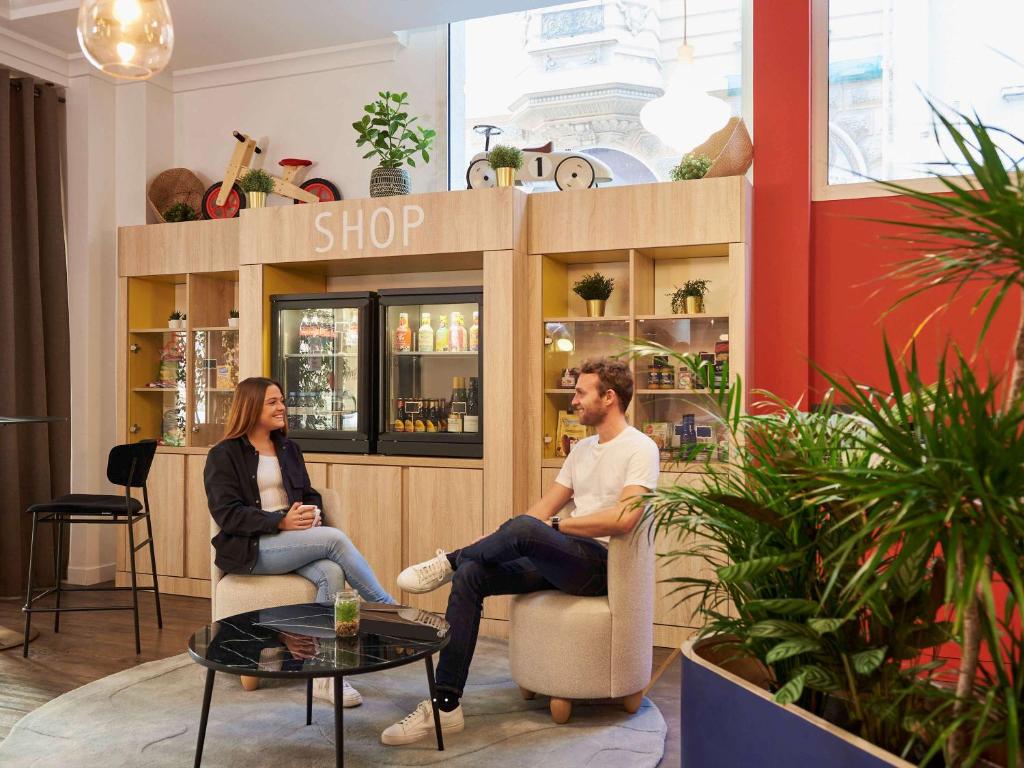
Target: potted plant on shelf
(843, 549)
(690, 298)
(691, 166)
(386, 128)
(233, 318)
(594, 288)
(256, 184)
(174, 320)
(180, 212)
(505, 161)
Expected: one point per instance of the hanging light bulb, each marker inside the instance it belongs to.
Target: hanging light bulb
(686, 115)
(129, 39)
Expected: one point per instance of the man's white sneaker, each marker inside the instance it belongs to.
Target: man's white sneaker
(426, 576)
(323, 688)
(419, 724)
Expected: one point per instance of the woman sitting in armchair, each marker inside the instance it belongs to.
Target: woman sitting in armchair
(259, 494)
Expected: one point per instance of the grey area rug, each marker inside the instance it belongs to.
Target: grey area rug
(148, 716)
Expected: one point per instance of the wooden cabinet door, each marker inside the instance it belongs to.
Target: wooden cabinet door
(667, 608)
(445, 511)
(317, 475)
(167, 507)
(198, 551)
(371, 503)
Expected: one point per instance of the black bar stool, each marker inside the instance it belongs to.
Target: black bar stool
(127, 465)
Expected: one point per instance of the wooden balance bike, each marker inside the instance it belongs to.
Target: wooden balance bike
(225, 199)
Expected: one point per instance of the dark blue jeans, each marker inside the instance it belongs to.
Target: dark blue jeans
(523, 555)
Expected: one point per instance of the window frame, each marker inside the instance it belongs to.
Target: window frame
(821, 189)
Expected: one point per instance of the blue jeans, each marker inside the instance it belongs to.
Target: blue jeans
(323, 555)
(523, 555)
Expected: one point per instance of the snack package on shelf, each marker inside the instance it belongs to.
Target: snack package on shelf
(659, 432)
(568, 433)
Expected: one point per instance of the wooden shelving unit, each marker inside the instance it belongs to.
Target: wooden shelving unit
(651, 239)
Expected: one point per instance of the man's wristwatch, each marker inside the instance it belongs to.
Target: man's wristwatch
(555, 521)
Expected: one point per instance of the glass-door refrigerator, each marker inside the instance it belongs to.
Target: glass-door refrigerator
(322, 353)
(431, 372)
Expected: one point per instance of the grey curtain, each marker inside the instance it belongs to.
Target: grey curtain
(35, 375)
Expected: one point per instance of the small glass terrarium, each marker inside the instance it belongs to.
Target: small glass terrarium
(346, 613)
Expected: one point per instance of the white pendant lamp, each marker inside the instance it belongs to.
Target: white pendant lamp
(128, 39)
(686, 115)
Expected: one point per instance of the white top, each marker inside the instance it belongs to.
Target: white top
(271, 484)
(597, 472)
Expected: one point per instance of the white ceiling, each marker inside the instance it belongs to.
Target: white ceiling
(210, 32)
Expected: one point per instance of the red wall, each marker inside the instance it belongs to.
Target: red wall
(816, 293)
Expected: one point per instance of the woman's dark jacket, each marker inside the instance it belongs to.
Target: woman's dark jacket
(234, 497)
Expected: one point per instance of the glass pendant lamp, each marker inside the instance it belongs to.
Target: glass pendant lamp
(686, 115)
(128, 39)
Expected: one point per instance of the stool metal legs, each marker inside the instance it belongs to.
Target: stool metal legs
(135, 588)
(58, 526)
(28, 588)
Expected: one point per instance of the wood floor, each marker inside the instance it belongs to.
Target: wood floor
(93, 645)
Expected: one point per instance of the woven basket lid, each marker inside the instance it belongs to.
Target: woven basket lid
(729, 148)
(175, 185)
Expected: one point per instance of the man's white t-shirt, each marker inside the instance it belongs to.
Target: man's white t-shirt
(597, 472)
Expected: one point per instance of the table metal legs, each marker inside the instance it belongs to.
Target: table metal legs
(339, 739)
(433, 703)
(207, 695)
(309, 701)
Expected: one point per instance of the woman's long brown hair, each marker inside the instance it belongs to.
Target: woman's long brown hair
(247, 407)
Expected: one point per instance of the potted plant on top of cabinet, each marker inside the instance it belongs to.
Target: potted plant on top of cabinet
(505, 161)
(386, 128)
(256, 184)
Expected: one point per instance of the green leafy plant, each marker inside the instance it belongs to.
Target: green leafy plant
(386, 129)
(593, 286)
(763, 523)
(175, 315)
(233, 313)
(257, 180)
(503, 156)
(346, 611)
(690, 167)
(698, 288)
(180, 212)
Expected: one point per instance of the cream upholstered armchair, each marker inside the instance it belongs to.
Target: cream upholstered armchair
(232, 593)
(569, 647)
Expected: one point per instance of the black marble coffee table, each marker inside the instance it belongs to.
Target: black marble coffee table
(298, 642)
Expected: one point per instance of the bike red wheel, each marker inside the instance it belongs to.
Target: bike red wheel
(326, 191)
(234, 203)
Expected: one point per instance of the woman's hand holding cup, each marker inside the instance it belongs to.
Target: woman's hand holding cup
(299, 517)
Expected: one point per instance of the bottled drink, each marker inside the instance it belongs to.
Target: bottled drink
(442, 416)
(399, 425)
(457, 337)
(420, 421)
(471, 422)
(403, 334)
(425, 336)
(441, 337)
(352, 335)
(291, 408)
(430, 419)
(304, 325)
(457, 408)
(474, 333)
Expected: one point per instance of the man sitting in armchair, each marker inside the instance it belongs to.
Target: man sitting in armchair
(602, 476)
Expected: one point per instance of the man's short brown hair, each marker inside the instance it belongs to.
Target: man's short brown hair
(614, 375)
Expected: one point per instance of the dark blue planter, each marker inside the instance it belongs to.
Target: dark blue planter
(730, 723)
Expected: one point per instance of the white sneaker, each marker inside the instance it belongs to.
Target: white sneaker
(426, 618)
(323, 688)
(426, 576)
(420, 724)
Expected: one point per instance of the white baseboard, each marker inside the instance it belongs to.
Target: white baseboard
(92, 574)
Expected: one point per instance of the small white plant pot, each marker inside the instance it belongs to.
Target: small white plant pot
(232, 322)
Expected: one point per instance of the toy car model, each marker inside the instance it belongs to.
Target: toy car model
(569, 170)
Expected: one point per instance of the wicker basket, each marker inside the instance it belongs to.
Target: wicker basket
(729, 148)
(175, 185)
